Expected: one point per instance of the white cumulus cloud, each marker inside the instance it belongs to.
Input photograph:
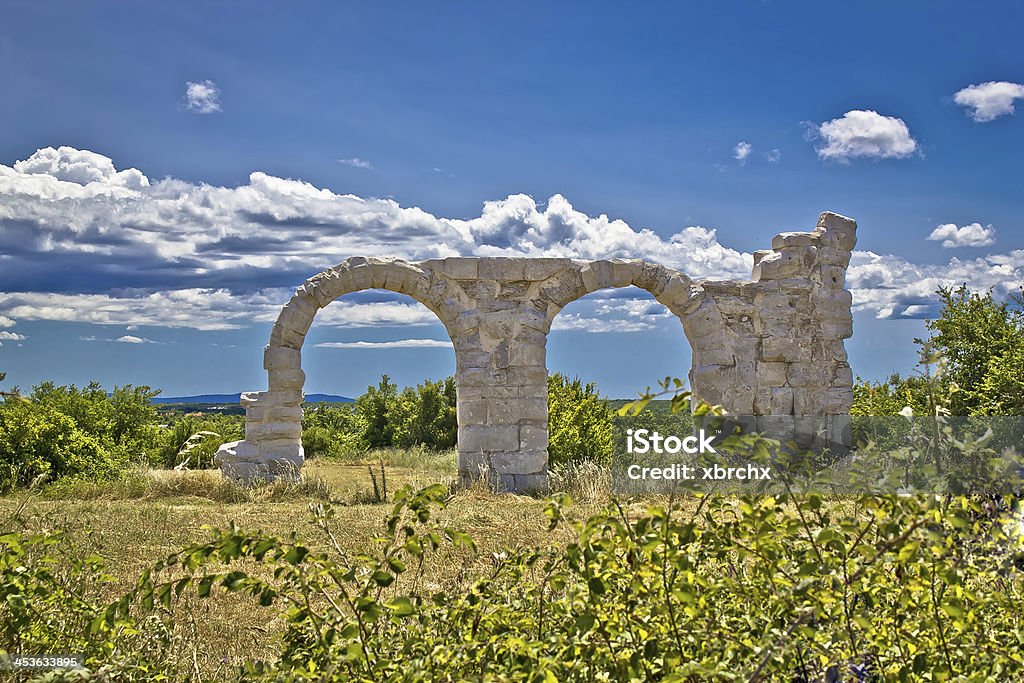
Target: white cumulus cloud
(894, 287)
(395, 344)
(6, 322)
(987, 101)
(861, 133)
(741, 151)
(972, 235)
(202, 97)
(11, 336)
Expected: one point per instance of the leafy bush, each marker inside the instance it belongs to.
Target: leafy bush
(190, 441)
(731, 588)
(579, 422)
(383, 417)
(61, 431)
(425, 416)
(37, 440)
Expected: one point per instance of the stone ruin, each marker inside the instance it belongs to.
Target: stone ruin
(770, 349)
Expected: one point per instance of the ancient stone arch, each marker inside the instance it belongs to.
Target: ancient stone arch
(770, 347)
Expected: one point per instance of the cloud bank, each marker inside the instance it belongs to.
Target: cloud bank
(133, 251)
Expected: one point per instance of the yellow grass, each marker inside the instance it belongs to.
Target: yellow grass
(149, 514)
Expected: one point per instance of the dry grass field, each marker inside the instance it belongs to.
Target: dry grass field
(150, 514)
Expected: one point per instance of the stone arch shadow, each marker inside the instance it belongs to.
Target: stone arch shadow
(769, 347)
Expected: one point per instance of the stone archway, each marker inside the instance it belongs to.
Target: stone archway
(772, 346)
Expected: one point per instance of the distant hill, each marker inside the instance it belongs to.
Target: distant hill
(233, 399)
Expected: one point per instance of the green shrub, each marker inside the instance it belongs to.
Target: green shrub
(579, 422)
(426, 416)
(191, 441)
(38, 440)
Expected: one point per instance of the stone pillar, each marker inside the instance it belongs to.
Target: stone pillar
(501, 375)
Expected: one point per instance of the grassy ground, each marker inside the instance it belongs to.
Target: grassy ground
(149, 514)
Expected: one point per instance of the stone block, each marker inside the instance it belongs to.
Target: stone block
(784, 349)
(472, 412)
(295, 319)
(833, 276)
(589, 278)
(283, 448)
(781, 401)
(793, 239)
(282, 336)
(713, 354)
(808, 400)
(603, 274)
(536, 269)
(503, 483)
(292, 379)
(281, 358)
(837, 329)
(624, 272)
(837, 231)
(832, 256)
(474, 465)
(489, 438)
(760, 254)
(273, 413)
(533, 437)
(675, 292)
(526, 375)
(832, 303)
(460, 268)
(703, 322)
(501, 268)
(777, 266)
(520, 462)
(361, 276)
(274, 397)
(808, 375)
(262, 432)
(839, 401)
(528, 354)
(771, 374)
(532, 484)
(843, 376)
(779, 427)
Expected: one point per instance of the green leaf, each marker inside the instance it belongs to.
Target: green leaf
(401, 606)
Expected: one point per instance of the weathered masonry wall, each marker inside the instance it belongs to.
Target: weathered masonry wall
(770, 347)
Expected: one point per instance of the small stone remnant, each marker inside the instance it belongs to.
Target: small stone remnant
(771, 347)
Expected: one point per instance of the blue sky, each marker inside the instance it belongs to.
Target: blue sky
(342, 129)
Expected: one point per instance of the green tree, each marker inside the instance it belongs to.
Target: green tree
(374, 408)
(426, 416)
(980, 340)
